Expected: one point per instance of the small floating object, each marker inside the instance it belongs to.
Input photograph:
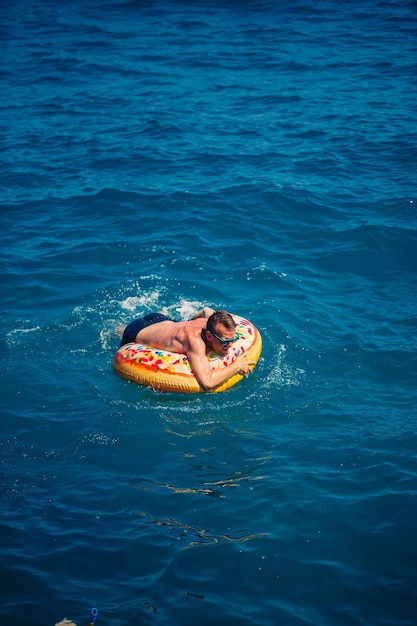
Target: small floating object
(93, 616)
(171, 371)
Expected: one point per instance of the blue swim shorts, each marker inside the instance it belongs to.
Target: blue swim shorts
(130, 332)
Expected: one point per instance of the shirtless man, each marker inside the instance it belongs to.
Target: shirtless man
(206, 330)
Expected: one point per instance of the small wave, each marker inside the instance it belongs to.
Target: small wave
(282, 374)
(14, 336)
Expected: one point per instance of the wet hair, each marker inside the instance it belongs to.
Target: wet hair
(220, 317)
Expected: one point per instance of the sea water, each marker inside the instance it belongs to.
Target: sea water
(256, 156)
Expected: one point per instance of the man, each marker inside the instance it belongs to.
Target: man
(206, 330)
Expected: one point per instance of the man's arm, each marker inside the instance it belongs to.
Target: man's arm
(208, 378)
(205, 313)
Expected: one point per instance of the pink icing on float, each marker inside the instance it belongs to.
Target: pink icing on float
(170, 371)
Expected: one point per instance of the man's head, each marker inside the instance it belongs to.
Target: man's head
(220, 332)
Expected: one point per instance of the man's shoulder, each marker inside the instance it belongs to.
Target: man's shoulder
(193, 325)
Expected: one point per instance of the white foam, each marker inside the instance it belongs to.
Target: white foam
(187, 308)
(23, 330)
(14, 336)
(282, 375)
(133, 303)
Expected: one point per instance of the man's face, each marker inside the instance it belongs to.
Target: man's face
(222, 339)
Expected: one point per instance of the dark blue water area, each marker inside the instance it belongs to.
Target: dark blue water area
(253, 156)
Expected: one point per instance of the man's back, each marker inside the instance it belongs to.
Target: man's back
(173, 336)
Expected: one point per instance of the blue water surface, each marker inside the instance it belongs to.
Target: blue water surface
(255, 156)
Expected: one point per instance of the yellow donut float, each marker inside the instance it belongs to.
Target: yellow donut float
(170, 371)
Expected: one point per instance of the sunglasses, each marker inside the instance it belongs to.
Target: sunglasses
(224, 342)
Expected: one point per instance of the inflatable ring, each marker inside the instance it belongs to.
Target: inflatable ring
(170, 371)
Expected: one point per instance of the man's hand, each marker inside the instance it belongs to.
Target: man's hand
(244, 367)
